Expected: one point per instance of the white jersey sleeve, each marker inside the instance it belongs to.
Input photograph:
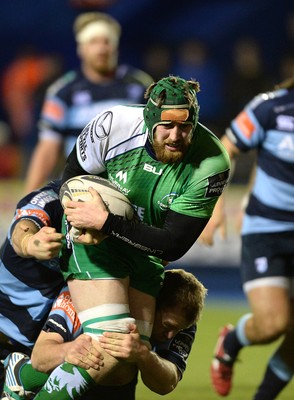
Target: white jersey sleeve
(106, 132)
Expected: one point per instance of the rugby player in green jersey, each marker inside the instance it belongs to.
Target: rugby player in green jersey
(172, 169)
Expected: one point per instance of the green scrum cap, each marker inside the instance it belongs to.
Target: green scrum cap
(171, 99)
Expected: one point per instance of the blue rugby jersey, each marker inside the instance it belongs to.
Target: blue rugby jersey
(72, 101)
(267, 124)
(64, 320)
(28, 287)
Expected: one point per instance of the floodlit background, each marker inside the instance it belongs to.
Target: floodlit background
(235, 49)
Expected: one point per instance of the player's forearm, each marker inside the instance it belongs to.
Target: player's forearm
(159, 375)
(43, 162)
(22, 233)
(158, 241)
(49, 356)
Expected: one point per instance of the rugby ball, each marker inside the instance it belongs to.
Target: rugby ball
(77, 189)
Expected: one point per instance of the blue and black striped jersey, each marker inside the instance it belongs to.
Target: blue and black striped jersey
(72, 101)
(267, 125)
(28, 287)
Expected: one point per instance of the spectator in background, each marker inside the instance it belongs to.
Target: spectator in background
(194, 61)
(289, 39)
(158, 60)
(247, 77)
(10, 154)
(79, 95)
(286, 67)
(22, 83)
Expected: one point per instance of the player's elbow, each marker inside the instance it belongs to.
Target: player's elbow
(162, 390)
(160, 385)
(38, 365)
(173, 253)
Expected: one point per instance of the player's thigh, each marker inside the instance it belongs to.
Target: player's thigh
(270, 305)
(142, 305)
(91, 293)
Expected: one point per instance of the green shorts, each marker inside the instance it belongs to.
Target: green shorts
(112, 258)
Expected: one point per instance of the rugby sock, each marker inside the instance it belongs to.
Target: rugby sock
(66, 382)
(270, 387)
(236, 340)
(32, 379)
(232, 346)
(277, 376)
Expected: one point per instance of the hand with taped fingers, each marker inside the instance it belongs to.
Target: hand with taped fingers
(87, 215)
(126, 346)
(44, 244)
(82, 353)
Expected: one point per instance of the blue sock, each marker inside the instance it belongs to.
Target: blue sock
(236, 340)
(270, 387)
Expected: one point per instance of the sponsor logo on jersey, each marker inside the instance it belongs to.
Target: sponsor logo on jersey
(166, 201)
(102, 125)
(53, 111)
(261, 265)
(181, 344)
(43, 198)
(140, 211)
(216, 184)
(283, 108)
(245, 125)
(82, 97)
(59, 326)
(285, 123)
(287, 143)
(137, 245)
(122, 176)
(123, 190)
(40, 214)
(152, 169)
(83, 142)
(64, 303)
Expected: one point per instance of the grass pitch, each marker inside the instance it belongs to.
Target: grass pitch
(195, 384)
(196, 381)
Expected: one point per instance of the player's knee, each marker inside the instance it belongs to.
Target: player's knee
(272, 327)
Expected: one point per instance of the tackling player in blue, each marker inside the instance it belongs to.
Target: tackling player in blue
(178, 310)
(30, 277)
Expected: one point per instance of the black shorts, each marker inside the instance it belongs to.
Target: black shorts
(123, 392)
(265, 255)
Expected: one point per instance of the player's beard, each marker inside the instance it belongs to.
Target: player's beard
(170, 157)
(103, 65)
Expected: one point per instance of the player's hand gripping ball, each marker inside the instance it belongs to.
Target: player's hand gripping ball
(77, 189)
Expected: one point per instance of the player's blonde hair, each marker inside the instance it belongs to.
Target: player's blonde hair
(87, 18)
(286, 84)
